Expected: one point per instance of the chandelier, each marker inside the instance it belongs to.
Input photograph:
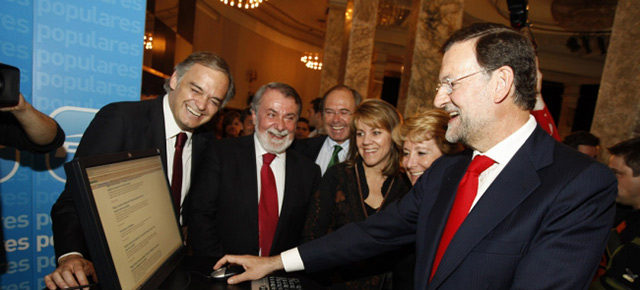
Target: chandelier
(391, 13)
(148, 41)
(311, 60)
(246, 4)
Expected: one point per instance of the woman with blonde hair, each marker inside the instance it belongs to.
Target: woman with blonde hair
(422, 139)
(365, 183)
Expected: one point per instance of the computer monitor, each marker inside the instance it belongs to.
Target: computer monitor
(126, 211)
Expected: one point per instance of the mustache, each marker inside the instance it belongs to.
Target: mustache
(449, 108)
(277, 133)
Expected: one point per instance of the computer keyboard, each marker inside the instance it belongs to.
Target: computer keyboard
(276, 283)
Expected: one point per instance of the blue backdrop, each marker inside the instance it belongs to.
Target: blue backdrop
(74, 57)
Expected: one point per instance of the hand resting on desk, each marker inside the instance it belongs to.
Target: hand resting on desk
(72, 271)
(255, 267)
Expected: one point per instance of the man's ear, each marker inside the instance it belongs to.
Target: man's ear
(253, 117)
(173, 81)
(504, 84)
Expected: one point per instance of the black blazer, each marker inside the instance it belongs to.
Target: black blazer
(309, 147)
(224, 200)
(542, 224)
(116, 127)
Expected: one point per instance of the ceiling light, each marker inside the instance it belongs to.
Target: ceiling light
(246, 4)
(311, 60)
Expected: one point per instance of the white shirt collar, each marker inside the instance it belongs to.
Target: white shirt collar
(504, 151)
(330, 143)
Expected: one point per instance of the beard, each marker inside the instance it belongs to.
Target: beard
(271, 144)
(465, 128)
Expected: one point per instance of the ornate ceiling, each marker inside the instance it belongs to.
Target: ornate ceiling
(558, 26)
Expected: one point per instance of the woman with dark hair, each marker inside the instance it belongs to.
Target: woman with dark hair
(231, 125)
(365, 183)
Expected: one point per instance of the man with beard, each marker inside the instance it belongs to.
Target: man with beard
(229, 210)
(517, 211)
(337, 105)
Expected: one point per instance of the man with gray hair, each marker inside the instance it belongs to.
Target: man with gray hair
(198, 88)
(252, 192)
(517, 211)
(337, 105)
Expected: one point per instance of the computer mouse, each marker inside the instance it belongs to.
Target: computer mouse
(226, 272)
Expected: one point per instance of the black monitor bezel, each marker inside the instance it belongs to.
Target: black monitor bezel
(93, 228)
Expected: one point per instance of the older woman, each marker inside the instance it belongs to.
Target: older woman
(368, 181)
(422, 138)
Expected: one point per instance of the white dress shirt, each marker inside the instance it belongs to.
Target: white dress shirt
(171, 131)
(277, 166)
(326, 151)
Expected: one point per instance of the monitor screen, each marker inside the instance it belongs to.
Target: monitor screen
(125, 206)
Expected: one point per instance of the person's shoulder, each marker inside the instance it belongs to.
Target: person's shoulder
(300, 161)
(301, 144)
(132, 108)
(233, 144)
(568, 156)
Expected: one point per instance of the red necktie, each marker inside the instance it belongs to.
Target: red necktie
(467, 191)
(268, 207)
(176, 178)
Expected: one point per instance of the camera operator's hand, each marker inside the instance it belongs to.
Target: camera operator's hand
(40, 128)
(72, 271)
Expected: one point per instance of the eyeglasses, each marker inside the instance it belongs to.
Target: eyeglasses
(448, 84)
(343, 113)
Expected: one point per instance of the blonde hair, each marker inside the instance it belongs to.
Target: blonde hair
(378, 114)
(424, 126)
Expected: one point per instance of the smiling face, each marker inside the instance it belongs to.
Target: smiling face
(197, 96)
(276, 121)
(469, 104)
(338, 107)
(374, 145)
(418, 157)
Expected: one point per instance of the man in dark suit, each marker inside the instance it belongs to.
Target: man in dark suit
(198, 88)
(226, 196)
(337, 105)
(537, 217)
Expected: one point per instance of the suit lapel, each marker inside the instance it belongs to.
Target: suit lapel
(497, 203)
(438, 215)
(248, 180)
(155, 128)
(316, 146)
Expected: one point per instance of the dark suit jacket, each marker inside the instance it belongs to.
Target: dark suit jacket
(309, 147)
(116, 127)
(542, 224)
(224, 200)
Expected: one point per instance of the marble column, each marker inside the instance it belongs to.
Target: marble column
(334, 41)
(361, 40)
(377, 74)
(431, 23)
(570, 98)
(617, 114)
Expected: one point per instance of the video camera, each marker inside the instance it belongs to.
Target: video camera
(9, 85)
